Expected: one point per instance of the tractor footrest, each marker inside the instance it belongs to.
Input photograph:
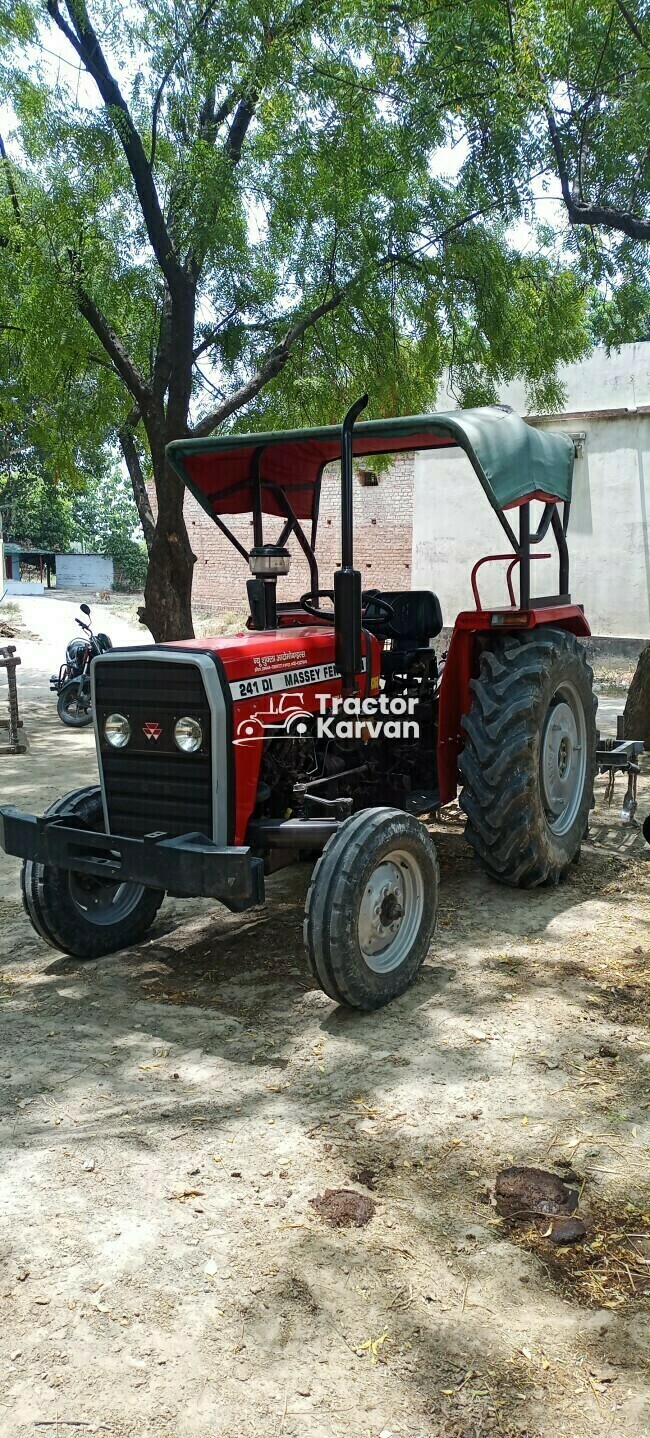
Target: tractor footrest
(422, 801)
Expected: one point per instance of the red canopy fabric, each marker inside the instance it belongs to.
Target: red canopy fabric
(223, 480)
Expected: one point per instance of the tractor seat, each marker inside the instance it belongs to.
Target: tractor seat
(417, 617)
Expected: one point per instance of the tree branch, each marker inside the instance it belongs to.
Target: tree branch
(278, 356)
(581, 213)
(232, 150)
(6, 166)
(125, 366)
(163, 359)
(632, 24)
(84, 41)
(237, 133)
(272, 365)
(590, 100)
(198, 24)
(211, 120)
(132, 460)
(212, 336)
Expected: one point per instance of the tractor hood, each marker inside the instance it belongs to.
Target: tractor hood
(513, 461)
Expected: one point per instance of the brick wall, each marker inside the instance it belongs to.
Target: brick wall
(383, 515)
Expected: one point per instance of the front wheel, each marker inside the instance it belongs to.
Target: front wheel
(371, 908)
(530, 757)
(73, 704)
(79, 914)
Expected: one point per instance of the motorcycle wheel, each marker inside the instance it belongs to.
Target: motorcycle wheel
(73, 705)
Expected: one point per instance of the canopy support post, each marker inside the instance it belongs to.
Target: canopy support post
(294, 526)
(524, 556)
(560, 536)
(256, 489)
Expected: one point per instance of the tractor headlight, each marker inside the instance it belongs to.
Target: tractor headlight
(117, 730)
(188, 735)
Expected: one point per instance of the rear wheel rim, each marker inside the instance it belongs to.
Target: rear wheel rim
(102, 903)
(563, 759)
(391, 910)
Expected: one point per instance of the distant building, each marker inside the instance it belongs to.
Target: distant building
(84, 571)
(31, 571)
(26, 571)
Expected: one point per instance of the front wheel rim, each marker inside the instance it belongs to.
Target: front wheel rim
(102, 903)
(391, 910)
(563, 759)
(76, 703)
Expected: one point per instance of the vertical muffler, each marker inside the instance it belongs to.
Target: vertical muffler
(347, 579)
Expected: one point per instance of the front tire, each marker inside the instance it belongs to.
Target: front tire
(80, 915)
(371, 908)
(73, 704)
(530, 757)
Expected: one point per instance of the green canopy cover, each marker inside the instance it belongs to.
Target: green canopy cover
(514, 462)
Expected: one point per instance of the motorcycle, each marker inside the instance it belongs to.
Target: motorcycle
(72, 683)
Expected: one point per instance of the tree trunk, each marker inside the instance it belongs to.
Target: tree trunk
(167, 609)
(636, 715)
(168, 590)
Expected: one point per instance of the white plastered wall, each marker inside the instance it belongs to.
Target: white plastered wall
(609, 545)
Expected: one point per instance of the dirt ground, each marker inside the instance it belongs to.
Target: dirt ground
(167, 1116)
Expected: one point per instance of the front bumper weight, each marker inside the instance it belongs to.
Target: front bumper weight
(186, 866)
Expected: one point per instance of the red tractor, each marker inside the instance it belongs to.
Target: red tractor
(330, 727)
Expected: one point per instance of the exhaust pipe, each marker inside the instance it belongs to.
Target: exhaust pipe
(347, 579)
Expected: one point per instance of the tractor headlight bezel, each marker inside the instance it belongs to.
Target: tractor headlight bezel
(117, 730)
(188, 734)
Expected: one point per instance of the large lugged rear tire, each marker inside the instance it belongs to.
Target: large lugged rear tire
(530, 757)
(82, 916)
(371, 908)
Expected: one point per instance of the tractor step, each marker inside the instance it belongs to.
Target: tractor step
(422, 801)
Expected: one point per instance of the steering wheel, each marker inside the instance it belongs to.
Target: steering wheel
(308, 603)
(384, 609)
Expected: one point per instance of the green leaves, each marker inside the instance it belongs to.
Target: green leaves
(34, 509)
(385, 156)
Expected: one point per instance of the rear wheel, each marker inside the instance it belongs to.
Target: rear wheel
(73, 704)
(371, 908)
(530, 757)
(77, 913)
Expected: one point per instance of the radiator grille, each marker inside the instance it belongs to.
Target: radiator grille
(150, 785)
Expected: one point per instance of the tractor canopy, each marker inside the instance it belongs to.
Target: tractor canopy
(234, 473)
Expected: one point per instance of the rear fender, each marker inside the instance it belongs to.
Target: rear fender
(472, 634)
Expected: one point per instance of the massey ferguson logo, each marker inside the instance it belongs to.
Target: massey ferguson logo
(152, 731)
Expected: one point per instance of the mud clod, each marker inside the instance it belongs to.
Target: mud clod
(343, 1208)
(532, 1190)
(366, 1177)
(567, 1230)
